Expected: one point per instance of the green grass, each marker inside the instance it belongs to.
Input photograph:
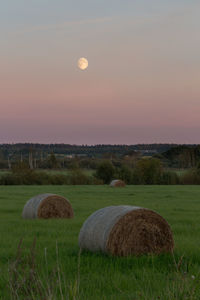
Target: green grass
(68, 172)
(4, 172)
(102, 276)
(88, 172)
(179, 172)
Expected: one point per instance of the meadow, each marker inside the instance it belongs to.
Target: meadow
(85, 275)
(88, 172)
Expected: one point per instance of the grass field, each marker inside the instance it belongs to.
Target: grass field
(4, 172)
(98, 276)
(88, 172)
(68, 172)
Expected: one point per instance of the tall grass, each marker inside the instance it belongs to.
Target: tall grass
(53, 259)
(28, 280)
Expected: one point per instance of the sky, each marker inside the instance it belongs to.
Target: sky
(142, 84)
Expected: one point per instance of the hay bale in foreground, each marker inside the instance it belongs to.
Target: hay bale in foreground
(125, 230)
(47, 206)
(117, 183)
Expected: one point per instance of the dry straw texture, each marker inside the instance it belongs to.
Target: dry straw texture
(126, 230)
(47, 206)
(117, 183)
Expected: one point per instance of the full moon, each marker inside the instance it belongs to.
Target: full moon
(82, 63)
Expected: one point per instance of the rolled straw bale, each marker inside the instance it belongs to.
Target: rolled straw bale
(117, 183)
(47, 206)
(125, 230)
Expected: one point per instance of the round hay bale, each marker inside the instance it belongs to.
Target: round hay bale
(117, 183)
(47, 206)
(126, 230)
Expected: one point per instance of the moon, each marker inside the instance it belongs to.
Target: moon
(82, 63)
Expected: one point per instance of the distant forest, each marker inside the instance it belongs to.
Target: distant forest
(90, 151)
(99, 164)
(55, 156)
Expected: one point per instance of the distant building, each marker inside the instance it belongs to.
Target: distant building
(75, 155)
(148, 151)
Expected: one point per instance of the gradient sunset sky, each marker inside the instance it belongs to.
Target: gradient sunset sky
(143, 80)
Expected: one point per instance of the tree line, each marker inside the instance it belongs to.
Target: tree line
(145, 171)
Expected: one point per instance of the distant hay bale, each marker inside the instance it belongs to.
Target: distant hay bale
(46, 206)
(117, 183)
(126, 230)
